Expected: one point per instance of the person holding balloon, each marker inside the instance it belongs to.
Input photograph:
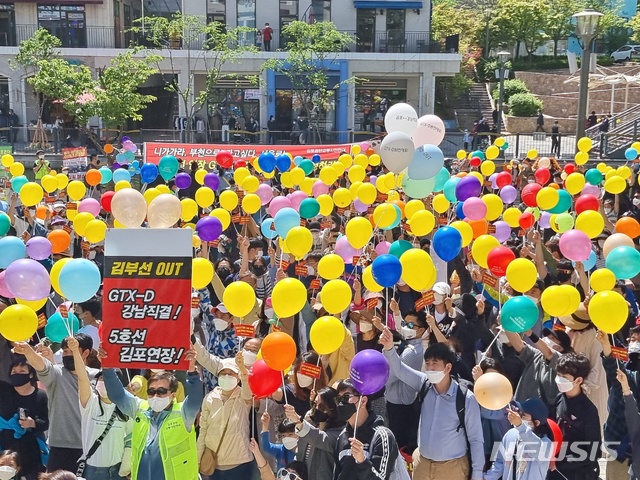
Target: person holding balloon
(294, 470)
(632, 418)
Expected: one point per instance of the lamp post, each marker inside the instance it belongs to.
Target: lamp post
(587, 22)
(501, 73)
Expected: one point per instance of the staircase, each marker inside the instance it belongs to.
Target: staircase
(473, 106)
(480, 94)
(623, 130)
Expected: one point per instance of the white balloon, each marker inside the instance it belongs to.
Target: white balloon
(401, 117)
(396, 151)
(430, 130)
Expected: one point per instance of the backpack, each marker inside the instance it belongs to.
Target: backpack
(400, 471)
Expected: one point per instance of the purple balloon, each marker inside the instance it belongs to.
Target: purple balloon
(468, 187)
(212, 180)
(369, 371)
(125, 139)
(545, 219)
(183, 180)
(589, 189)
(508, 194)
(373, 179)
(346, 251)
(277, 204)
(359, 206)
(90, 205)
(115, 166)
(575, 245)
(503, 231)
(492, 179)
(383, 247)
(28, 280)
(209, 228)
(39, 248)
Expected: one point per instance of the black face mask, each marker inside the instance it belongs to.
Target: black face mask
(69, 363)
(346, 411)
(319, 416)
(258, 270)
(19, 379)
(223, 272)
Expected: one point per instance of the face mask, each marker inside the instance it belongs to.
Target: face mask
(401, 283)
(438, 298)
(636, 202)
(158, 404)
(268, 312)
(563, 384)
(259, 253)
(435, 376)
(220, 324)
(533, 299)
(531, 181)
(529, 424)
(92, 255)
(551, 344)
(365, 327)
(310, 271)
(502, 337)
(259, 270)
(6, 472)
(634, 347)
(319, 417)
(69, 363)
(19, 379)
(223, 272)
(303, 380)
(41, 157)
(346, 411)
(407, 333)
(227, 382)
(101, 389)
(249, 357)
(289, 443)
(608, 211)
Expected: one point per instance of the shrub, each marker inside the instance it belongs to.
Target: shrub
(524, 105)
(511, 87)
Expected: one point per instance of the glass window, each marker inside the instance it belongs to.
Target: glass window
(320, 11)
(117, 25)
(216, 11)
(366, 29)
(7, 25)
(396, 39)
(247, 18)
(67, 22)
(162, 8)
(372, 104)
(288, 14)
(237, 105)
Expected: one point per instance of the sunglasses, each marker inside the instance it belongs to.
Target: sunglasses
(284, 474)
(157, 391)
(408, 324)
(345, 398)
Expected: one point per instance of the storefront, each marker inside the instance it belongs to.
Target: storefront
(238, 99)
(373, 99)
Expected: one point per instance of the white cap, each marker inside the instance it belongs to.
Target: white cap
(442, 288)
(229, 364)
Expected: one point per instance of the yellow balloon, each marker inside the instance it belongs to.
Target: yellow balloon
(560, 300)
(299, 241)
(307, 185)
(389, 180)
(239, 298)
(76, 190)
(326, 335)
(590, 222)
(121, 185)
(494, 206)
(422, 223)
(393, 195)
(346, 160)
(466, 231)
(353, 189)
(547, 198)
(358, 231)
(200, 174)
(381, 186)
(624, 172)
(357, 173)
(574, 183)
(222, 215)
(251, 203)
(339, 168)
(478, 175)
(342, 197)
(328, 175)
(7, 160)
(189, 208)
(53, 172)
(613, 185)
(117, 224)
(521, 274)
(31, 194)
(611, 172)
(16, 169)
(355, 149)
(369, 282)
(152, 193)
(492, 153)
(602, 167)
(418, 270)
(602, 279)
(34, 305)
(636, 146)
(384, 215)
(228, 200)
(326, 204)
(336, 296)
(285, 179)
(18, 323)
(581, 158)
(296, 175)
(440, 203)
(81, 221)
(251, 184)
(204, 197)
(532, 154)
(481, 248)
(71, 214)
(331, 266)
(196, 241)
(374, 160)
(511, 216)
(461, 154)
(487, 167)
(361, 160)
(412, 207)
(49, 183)
(201, 273)
(63, 180)
(162, 188)
(95, 230)
(500, 141)
(240, 174)
(289, 296)
(609, 311)
(367, 193)
(55, 274)
(585, 144)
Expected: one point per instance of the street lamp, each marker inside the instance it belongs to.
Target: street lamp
(501, 73)
(587, 22)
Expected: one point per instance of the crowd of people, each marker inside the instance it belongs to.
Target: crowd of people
(575, 387)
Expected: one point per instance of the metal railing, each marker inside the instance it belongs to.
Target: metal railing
(88, 37)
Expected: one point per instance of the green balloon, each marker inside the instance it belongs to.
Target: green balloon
(398, 247)
(505, 146)
(168, 167)
(309, 208)
(5, 223)
(564, 222)
(18, 182)
(593, 176)
(418, 188)
(307, 166)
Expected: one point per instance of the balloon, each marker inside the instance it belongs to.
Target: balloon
(228, 200)
(465, 230)
(298, 241)
(288, 297)
(263, 380)
(521, 274)
(503, 179)
(575, 245)
(265, 193)
(296, 199)
(493, 391)
(422, 223)
(267, 229)
(18, 323)
(189, 209)
(201, 273)
(418, 270)
(11, 249)
(80, 222)
(204, 197)
(468, 187)
(57, 328)
(398, 248)
(95, 231)
(358, 231)
(519, 314)
(345, 250)
(27, 279)
(129, 207)
(209, 229)
(608, 311)
(613, 241)
(587, 202)
(426, 163)
(499, 259)
(5, 223)
(564, 222)
(474, 208)
(369, 371)
(251, 203)
(593, 176)
(277, 204)
(503, 231)
(168, 166)
(386, 270)
(278, 350)
(530, 193)
(286, 219)
(494, 206)
(90, 205)
(624, 262)
(547, 198)
(34, 305)
(417, 188)
(336, 296)
(440, 203)
(249, 184)
(7, 160)
(526, 220)
(31, 194)
(401, 117)
(590, 222)
(60, 241)
(447, 243)
(16, 169)
(615, 185)
(430, 130)
(449, 189)
(49, 183)
(564, 202)
(267, 162)
(628, 226)
(481, 248)
(183, 180)
(164, 211)
(542, 176)
(18, 182)
(602, 279)
(239, 298)
(38, 248)
(79, 280)
(330, 266)
(148, 172)
(508, 194)
(441, 178)
(397, 150)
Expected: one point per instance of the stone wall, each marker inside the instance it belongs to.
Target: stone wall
(529, 124)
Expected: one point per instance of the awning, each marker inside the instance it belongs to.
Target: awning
(388, 4)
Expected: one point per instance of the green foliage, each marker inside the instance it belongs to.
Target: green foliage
(540, 62)
(634, 25)
(460, 83)
(487, 68)
(450, 18)
(523, 21)
(511, 87)
(41, 46)
(524, 105)
(559, 23)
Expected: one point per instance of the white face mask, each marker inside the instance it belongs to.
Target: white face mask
(92, 255)
(259, 253)
(438, 298)
(289, 442)
(7, 472)
(407, 333)
(304, 381)
(608, 211)
(158, 404)
(220, 324)
(435, 376)
(564, 385)
(634, 347)
(249, 357)
(503, 338)
(310, 271)
(101, 389)
(365, 327)
(227, 382)
(551, 344)
(636, 202)
(195, 312)
(268, 312)
(533, 299)
(529, 424)
(531, 180)
(401, 283)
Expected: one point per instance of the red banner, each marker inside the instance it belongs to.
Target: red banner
(205, 154)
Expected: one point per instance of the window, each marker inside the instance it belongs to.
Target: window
(372, 103)
(7, 25)
(396, 39)
(162, 8)
(366, 29)
(320, 11)
(288, 14)
(67, 22)
(247, 18)
(216, 11)
(117, 26)
(128, 24)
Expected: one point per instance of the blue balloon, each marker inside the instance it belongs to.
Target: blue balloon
(623, 261)
(459, 213)
(630, 154)
(4, 206)
(168, 167)
(285, 220)
(57, 328)
(316, 158)
(149, 172)
(120, 158)
(121, 174)
(386, 270)
(297, 159)
(426, 163)
(519, 314)
(265, 228)
(283, 163)
(449, 189)
(11, 249)
(441, 178)
(79, 280)
(18, 182)
(589, 263)
(447, 243)
(564, 202)
(267, 162)
(107, 175)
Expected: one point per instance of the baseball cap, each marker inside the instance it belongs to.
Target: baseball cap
(442, 288)
(221, 307)
(562, 338)
(536, 408)
(229, 364)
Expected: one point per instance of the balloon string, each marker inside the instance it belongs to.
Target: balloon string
(484, 354)
(386, 302)
(315, 379)
(284, 389)
(613, 343)
(253, 414)
(355, 425)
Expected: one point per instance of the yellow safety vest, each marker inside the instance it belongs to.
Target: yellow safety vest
(177, 445)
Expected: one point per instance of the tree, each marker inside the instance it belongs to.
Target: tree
(210, 47)
(450, 18)
(312, 53)
(523, 22)
(634, 25)
(559, 24)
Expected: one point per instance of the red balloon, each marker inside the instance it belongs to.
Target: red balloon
(475, 161)
(105, 200)
(224, 159)
(241, 162)
(263, 380)
(569, 168)
(499, 259)
(542, 176)
(526, 220)
(503, 179)
(557, 435)
(529, 193)
(586, 202)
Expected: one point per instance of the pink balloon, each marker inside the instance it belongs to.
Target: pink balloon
(346, 251)
(319, 188)
(575, 245)
(4, 290)
(591, 190)
(474, 208)
(492, 179)
(383, 247)
(364, 146)
(296, 199)
(265, 193)
(277, 204)
(359, 206)
(90, 205)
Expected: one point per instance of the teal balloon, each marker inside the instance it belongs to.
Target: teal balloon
(593, 176)
(478, 153)
(18, 182)
(505, 146)
(564, 202)
(441, 178)
(107, 175)
(418, 188)
(57, 328)
(129, 156)
(307, 166)
(398, 247)
(624, 262)
(79, 280)
(5, 223)
(168, 167)
(396, 222)
(449, 189)
(121, 174)
(519, 314)
(11, 249)
(309, 208)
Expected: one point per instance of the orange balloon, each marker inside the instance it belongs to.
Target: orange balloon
(629, 226)
(373, 223)
(370, 151)
(461, 174)
(278, 350)
(41, 212)
(93, 177)
(554, 185)
(60, 241)
(108, 148)
(400, 204)
(479, 227)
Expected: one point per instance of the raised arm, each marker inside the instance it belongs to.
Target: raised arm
(35, 360)
(84, 386)
(404, 373)
(194, 391)
(125, 401)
